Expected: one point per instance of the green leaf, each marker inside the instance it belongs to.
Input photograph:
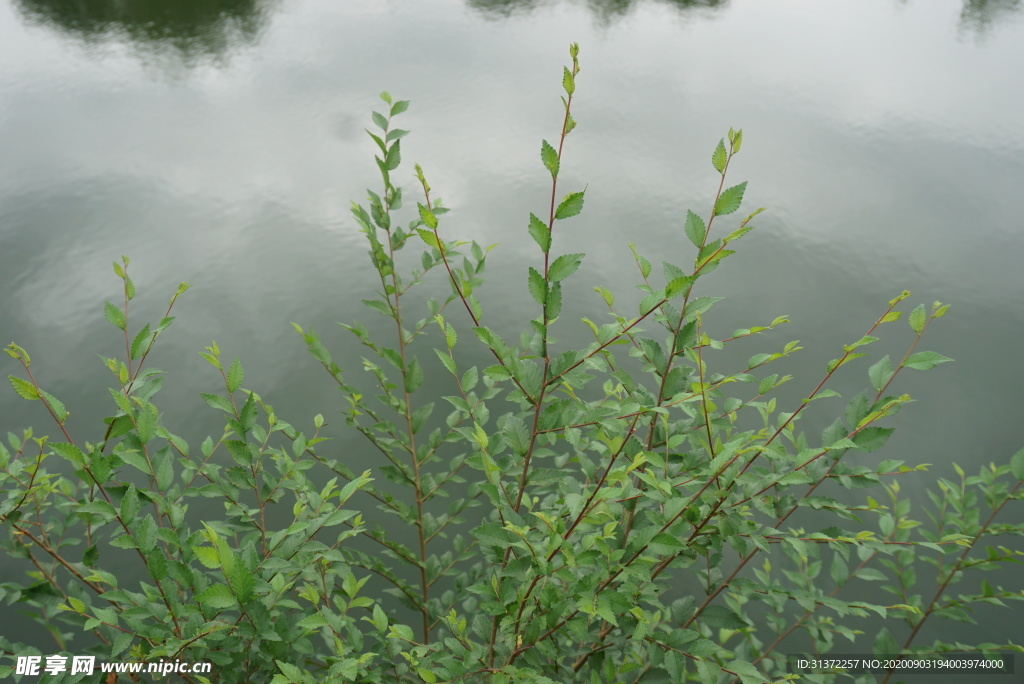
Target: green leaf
(429, 238)
(695, 229)
(163, 469)
(880, 373)
(140, 342)
(380, 143)
(236, 374)
(538, 288)
(737, 141)
(677, 286)
(549, 156)
(925, 360)
(719, 157)
(540, 233)
(720, 615)
(380, 620)
(217, 597)
(918, 317)
(399, 107)
(242, 582)
(730, 199)
(70, 453)
(1017, 465)
(553, 302)
(747, 672)
(147, 422)
(871, 575)
(564, 266)
(380, 120)
(872, 438)
(568, 82)
(606, 295)
(891, 316)
(115, 316)
(842, 361)
(413, 376)
(570, 206)
(145, 534)
(129, 504)
(218, 402)
(430, 220)
(394, 157)
(24, 388)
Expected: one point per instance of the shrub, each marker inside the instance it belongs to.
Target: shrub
(608, 478)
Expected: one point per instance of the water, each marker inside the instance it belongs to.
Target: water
(221, 144)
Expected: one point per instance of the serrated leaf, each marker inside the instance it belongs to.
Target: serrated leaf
(872, 438)
(918, 317)
(538, 288)
(570, 206)
(394, 156)
(147, 422)
(380, 143)
(217, 597)
(568, 82)
(380, 120)
(553, 302)
(549, 157)
(730, 199)
(413, 376)
(55, 405)
(429, 219)
(564, 266)
(129, 504)
(695, 229)
(540, 233)
(677, 286)
(429, 238)
(719, 157)
(236, 374)
(880, 373)
(925, 360)
(141, 340)
(114, 316)
(218, 402)
(24, 388)
(836, 363)
(69, 452)
(399, 107)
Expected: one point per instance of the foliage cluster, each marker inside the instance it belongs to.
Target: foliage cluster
(610, 481)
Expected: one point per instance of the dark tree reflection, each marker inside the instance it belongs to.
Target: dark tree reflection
(605, 11)
(980, 16)
(191, 30)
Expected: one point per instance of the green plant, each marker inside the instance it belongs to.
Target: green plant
(606, 476)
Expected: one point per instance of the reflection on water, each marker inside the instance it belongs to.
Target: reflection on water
(980, 16)
(604, 10)
(191, 30)
(883, 168)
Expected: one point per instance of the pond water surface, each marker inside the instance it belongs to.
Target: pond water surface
(221, 143)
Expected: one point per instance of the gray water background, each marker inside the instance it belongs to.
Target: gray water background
(221, 143)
